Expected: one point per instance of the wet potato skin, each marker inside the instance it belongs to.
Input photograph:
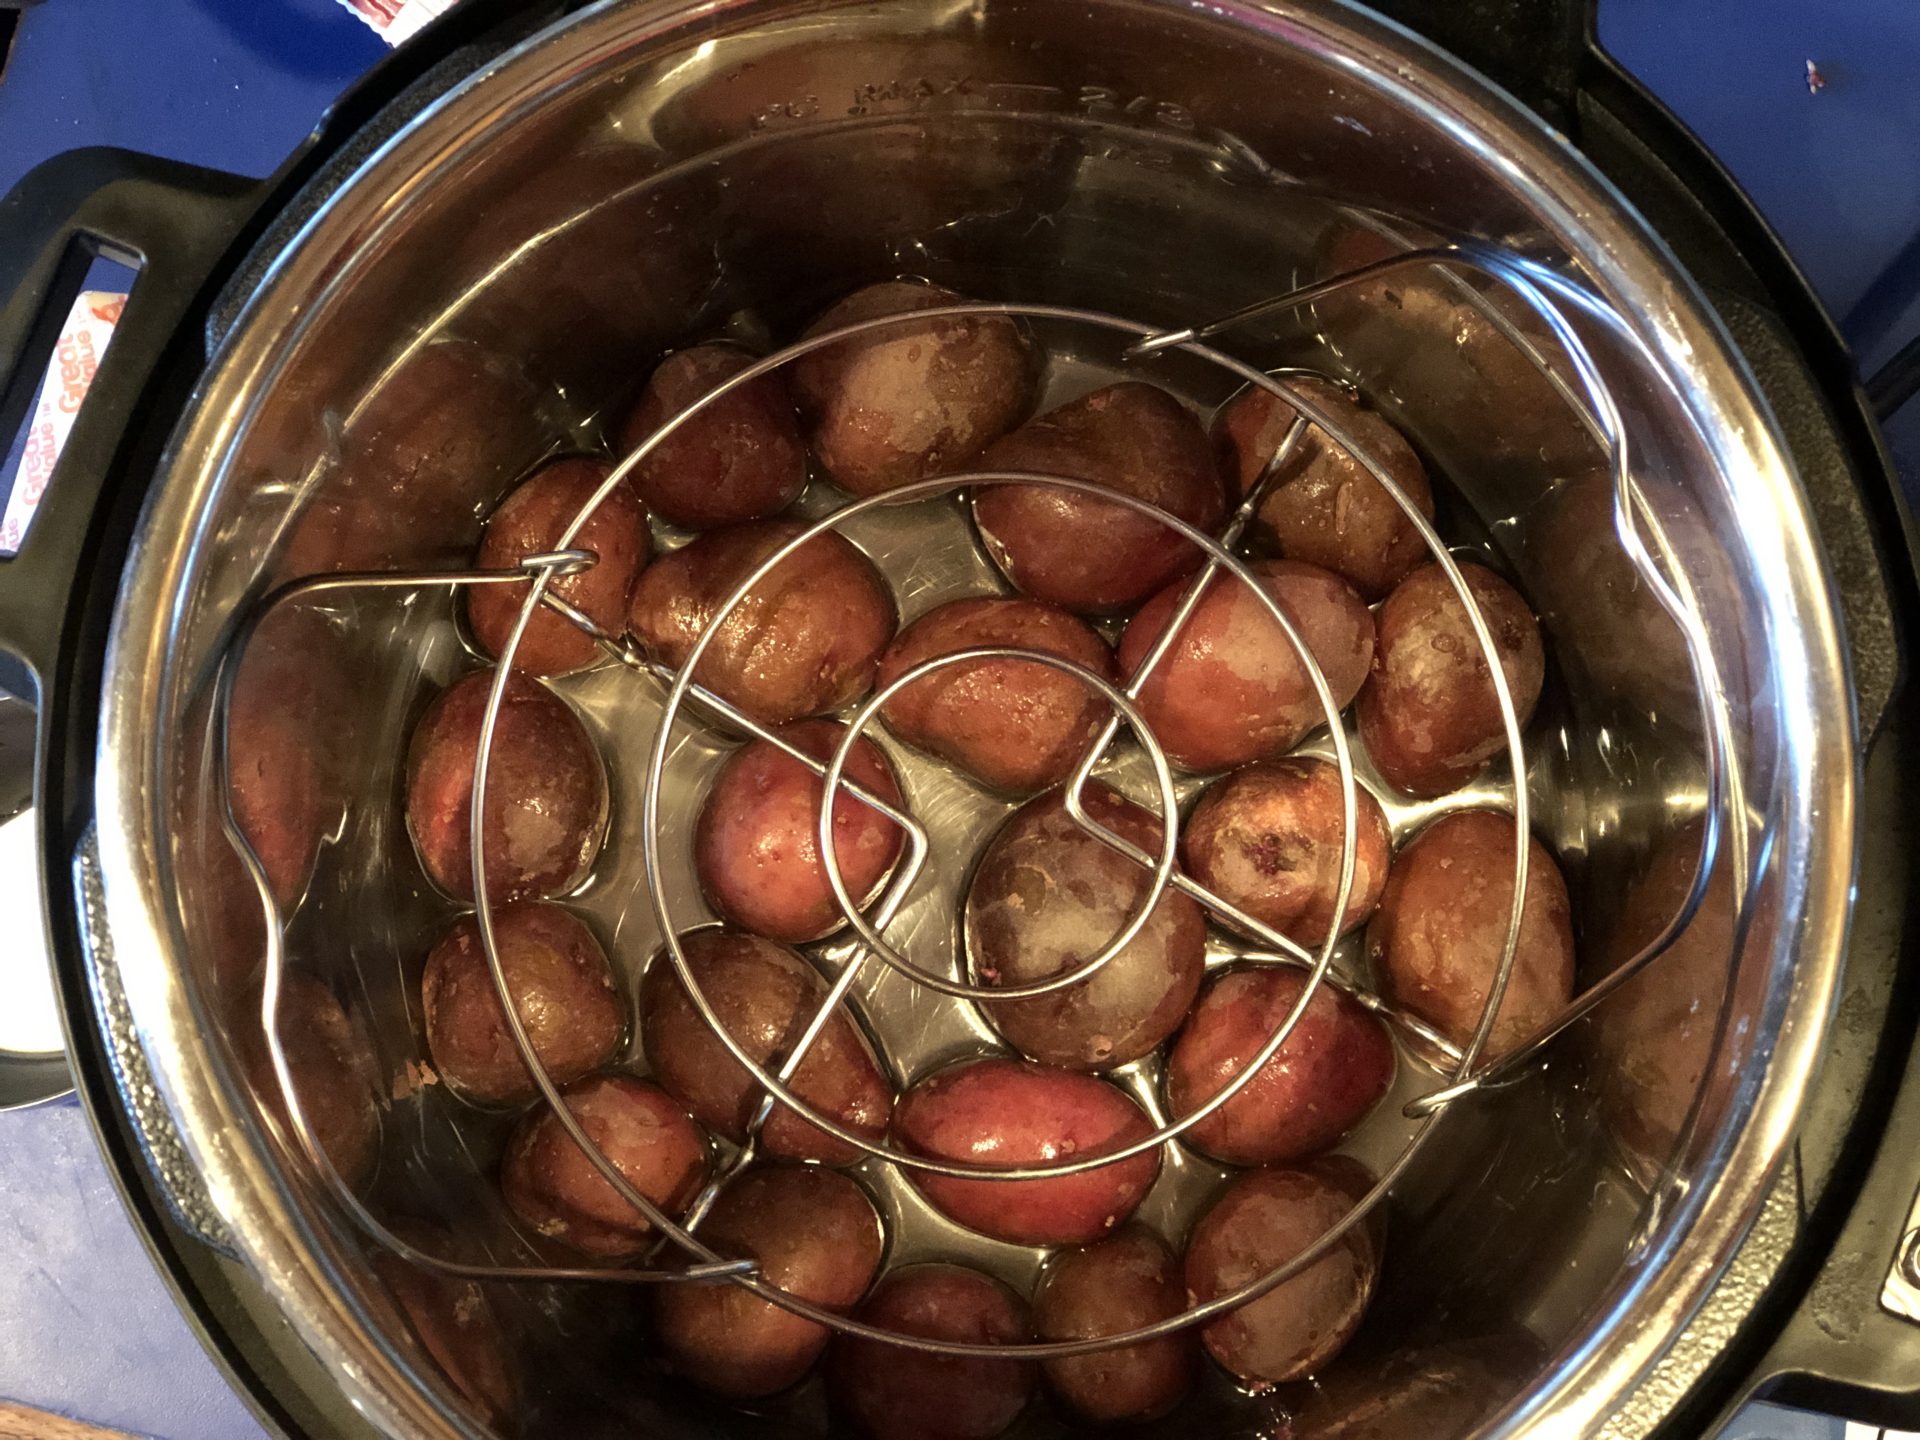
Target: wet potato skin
(1324, 506)
(1267, 839)
(892, 1393)
(453, 1321)
(903, 403)
(1122, 1283)
(803, 642)
(334, 1074)
(530, 521)
(1435, 943)
(816, 1236)
(738, 459)
(1088, 554)
(1046, 897)
(999, 1111)
(1016, 726)
(564, 993)
(1262, 1220)
(756, 842)
(764, 994)
(546, 791)
(1429, 716)
(549, 1182)
(1232, 689)
(1332, 1070)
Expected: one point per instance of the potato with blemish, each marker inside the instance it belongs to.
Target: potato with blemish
(453, 1322)
(563, 990)
(1125, 1282)
(546, 791)
(764, 996)
(1077, 550)
(530, 521)
(817, 1238)
(904, 402)
(1429, 715)
(1046, 897)
(1437, 940)
(1232, 688)
(890, 1392)
(1323, 505)
(738, 458)
(1015, 725)
(1012, 1112)
(551, 1184)
(803, 641)
(756, 845)
(333, 1068)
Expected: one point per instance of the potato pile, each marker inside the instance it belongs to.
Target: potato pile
(1231, 702)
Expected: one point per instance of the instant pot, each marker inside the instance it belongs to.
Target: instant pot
(342, 368)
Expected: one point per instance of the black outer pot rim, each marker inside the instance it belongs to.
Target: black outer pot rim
(70, 670)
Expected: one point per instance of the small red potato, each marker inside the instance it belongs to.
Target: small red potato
(1436, 941)
(1324, 506)
(1232, 688)
(740, 458)
(817, 1237)
(1267, 840)
(1429, 716)
(892, 1393)
(530, 521)
(546, 791)
(1122, 1283)
(998, 1111)
(1088, 554)
(334, 1074)
(549, 1182)
(453, 1322)
(804, 641)
(905, 402)
(1048, 896)
(756, 845)
(1332, 1070)
(563, 991)
(1015, 725)
(1264, 1219)
(764, 994)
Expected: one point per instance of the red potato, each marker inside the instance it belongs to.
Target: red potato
(1268, 840)
(530, 521)
(563, 990)
(1123, 1283)
(1232, 689)
(804, 641)
(756, 845)
(740, 458)
(334, 1074)
(453, 1322)
(906, 401)
(1428, 715)
(546, 791)
(1016, 725)
(1332, 1070)
(1262, 1221)
(1012, 1112)
(1324, 506)
(892, 1393)
(1436, 941)
(551, 1184)
(1088, 554)
(1046, 897)
(765, 995)
(817, 1237)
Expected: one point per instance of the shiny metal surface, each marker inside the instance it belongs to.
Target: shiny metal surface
(1901, 1293)
(774, 154)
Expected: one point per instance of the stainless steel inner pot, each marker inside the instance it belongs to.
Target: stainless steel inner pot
(484, 286)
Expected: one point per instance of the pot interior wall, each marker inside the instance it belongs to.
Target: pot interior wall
(734, 175)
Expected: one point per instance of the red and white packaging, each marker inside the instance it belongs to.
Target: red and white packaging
(83, 340)
(395, 20)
